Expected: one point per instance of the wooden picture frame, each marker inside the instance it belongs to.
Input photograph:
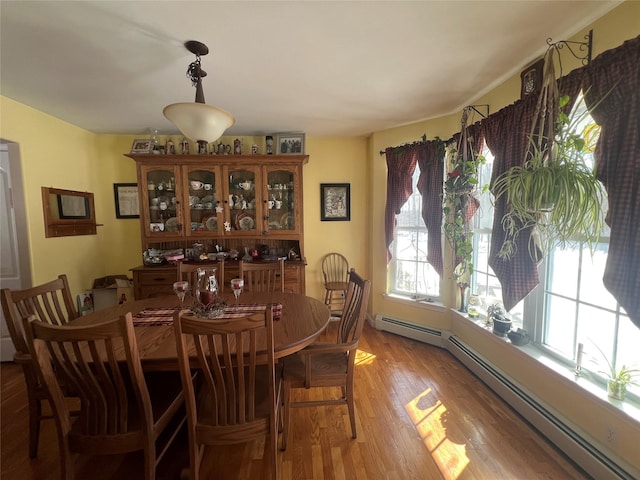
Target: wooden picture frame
(126, 199)
(290, 144)
(142, 145)
(335, 202)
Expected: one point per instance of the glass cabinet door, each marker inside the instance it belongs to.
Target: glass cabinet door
(243, 201)
(161, 205)
(204, 200)
(280, 203)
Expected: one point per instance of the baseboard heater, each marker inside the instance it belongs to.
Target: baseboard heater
(432, 336)
(580, 450)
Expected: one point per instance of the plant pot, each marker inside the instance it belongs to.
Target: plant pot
(501, 326)
(616, 390)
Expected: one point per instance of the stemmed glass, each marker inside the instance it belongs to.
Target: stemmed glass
(236, 285)
(181, 288)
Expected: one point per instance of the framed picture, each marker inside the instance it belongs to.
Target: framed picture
(141, 146)
(335, 202)
(290, 144)
(126, 197)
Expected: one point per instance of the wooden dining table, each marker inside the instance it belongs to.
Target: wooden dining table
(302, 319)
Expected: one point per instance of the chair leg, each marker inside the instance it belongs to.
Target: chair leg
(286, 400)
(35, 416)
(352, 410)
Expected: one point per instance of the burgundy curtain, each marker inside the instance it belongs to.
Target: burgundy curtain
(401, 163)
(507, 134)
(615, 76)
(431, 162)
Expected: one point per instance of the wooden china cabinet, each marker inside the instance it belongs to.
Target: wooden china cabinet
(233, 202)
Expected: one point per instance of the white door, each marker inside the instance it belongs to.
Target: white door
(14, 248)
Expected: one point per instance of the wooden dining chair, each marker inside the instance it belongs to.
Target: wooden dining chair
(121, 410)
(262, 276)
(188, 272)
(329, 364)
(52, 303)
(240, 387)
(335, 272)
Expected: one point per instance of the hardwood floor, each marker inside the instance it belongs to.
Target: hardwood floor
(421, 415)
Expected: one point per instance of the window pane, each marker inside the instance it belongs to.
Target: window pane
(410, 274)
(560, 324)
(592, 289)
(563, 271)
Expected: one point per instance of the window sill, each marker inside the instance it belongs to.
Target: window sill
(418, 302)
(628, 406)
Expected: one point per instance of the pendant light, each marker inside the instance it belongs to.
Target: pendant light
(197, 121)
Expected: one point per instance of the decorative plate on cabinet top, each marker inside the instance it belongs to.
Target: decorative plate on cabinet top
(245, 221)
(171, 225)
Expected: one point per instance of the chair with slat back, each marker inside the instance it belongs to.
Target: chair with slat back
(329, 364)
(240, 389)
(262, 276)
(121, 409)
(52, 303)
(335, 271)
(188, 272)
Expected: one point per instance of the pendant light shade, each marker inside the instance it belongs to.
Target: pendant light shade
(198, 121)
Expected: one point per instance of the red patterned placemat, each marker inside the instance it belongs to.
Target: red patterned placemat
(162, 316)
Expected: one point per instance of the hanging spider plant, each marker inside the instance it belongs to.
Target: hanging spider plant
(555, 191)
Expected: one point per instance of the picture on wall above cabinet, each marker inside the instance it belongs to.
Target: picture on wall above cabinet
(290, 143)
(335, 202)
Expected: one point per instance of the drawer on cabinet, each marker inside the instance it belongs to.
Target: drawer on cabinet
(153, 278)
(155, 291)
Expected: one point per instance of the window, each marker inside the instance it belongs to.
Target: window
(571, 306)
(410, 273)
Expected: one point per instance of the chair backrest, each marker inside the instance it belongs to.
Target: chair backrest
(355, 310)
(229, 360)
(188, 272)
(335, 268)
(262, 276)
(113, 395)
(50, 302)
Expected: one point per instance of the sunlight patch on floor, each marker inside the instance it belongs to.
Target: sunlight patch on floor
(364, 358)
(428, 415)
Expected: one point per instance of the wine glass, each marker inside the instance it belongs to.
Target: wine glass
(181, 288)
(236, 285)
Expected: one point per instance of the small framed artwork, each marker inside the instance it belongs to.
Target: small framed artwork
(335, 202)
(141, 146)
(531, 78)
(126, 197)
(290, 143)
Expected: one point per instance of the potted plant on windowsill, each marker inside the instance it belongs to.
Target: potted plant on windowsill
(618, 379)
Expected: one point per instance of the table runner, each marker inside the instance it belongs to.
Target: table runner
(162, 316)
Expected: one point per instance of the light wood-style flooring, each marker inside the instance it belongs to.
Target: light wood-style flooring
(421, 415)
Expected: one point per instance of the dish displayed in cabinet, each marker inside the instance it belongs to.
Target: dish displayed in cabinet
(245, 221)
(286, 221)
(210, 223)
(171, 225)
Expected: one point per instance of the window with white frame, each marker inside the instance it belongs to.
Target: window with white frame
(409, 272)
(571, 306)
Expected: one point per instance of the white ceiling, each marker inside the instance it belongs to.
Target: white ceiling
(320, 67)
